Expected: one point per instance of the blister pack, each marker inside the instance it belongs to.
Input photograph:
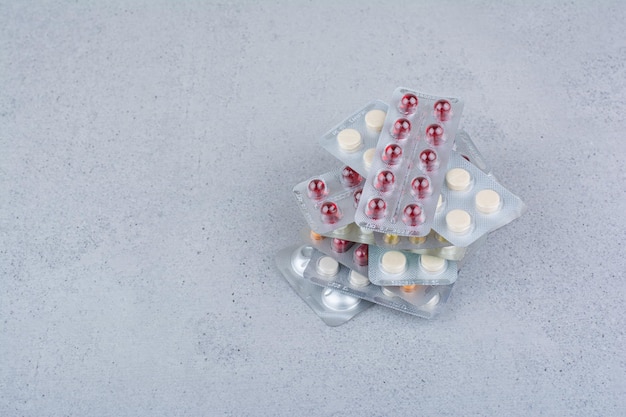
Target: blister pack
(354, 255)
(402, 187)
(431, 241)
(333, 307)
(467, 148)
(328, 201)
(354, 140)
(395, 268)
(474, 204)
(423, 301)
(353, 233)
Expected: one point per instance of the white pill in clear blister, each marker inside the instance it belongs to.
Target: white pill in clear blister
(458, 221)
(349, 140)
(487, 201)
(433, 301)
(432, 264)
(358, 280)
(368, 157)
(458, 179)
(375, 119)
(327, 266)
(393, 262)
(387, 292)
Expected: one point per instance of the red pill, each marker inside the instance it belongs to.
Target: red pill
(340, 245)
(443, 110)
(357, 196)
(428, 158)
(412, 215)
(408, 103)
(434, 135)
(420, 186)
(401, 128)
(384, 181)
(350, 177)
(392, 154)
(317, 189)
(330, 212)
(361, 255)
(376, 208)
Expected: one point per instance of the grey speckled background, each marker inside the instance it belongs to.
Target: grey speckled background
(148, 151)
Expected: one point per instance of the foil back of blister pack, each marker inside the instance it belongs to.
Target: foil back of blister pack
(333, 307)
(421, 301)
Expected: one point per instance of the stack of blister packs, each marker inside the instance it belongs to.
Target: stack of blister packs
(394, 224)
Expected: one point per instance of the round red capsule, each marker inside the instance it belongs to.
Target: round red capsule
(330, 212)
(434, 135)
(401, 128)
(317, 189)
(392, 154)
(428, 158)
(443, 110)
(376, 208)
(408, 103)
(361, 255)
(357, 196)
(350, 177)
(412, 215)
(384, 181)
(420, 186)
(340, 245)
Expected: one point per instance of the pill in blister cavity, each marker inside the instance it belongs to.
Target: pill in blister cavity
(317, 189)
(376, 208)
(357, 196)
(368, 157)
(458, 179)
(350, 177)
(410, 288)
(392, 154)
(361, 255)
(393, 262)
(374, 119)
(384, 181)
(340, 245)
(428, 158)
(433, 301)
(458, 221)
(420, 186)
(417, 240)
(358, 280)
(408, 103)
(349, 140)
(327, 266)
(386, 291)
(487, 201)
(432, 264)
(443, 110)
(401, 129)
(412, 215)
(330, 212)
(434, 135)
(315, 236)
(391, 239)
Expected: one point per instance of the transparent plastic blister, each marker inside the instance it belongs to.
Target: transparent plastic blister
(402, 187)
(395, 268)
(354, 255)
(353, 233)
(328, 201)
(474, 204)
(424, 301)
(354, 140)
(467, 148)
(333, 307)
(390, 241)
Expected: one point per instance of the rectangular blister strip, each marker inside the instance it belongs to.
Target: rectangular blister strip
(391, 241)
(328, 201)
(351, 140)
(291, 262)
(426, 302)
(401, 191)
(351, 254)
(353, 233)
(482, 207)
(394, 268)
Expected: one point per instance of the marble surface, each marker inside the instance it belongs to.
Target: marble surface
(147, 155)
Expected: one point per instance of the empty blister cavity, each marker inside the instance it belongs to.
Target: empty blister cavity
(484, 206)
(403, 183)
(333, 309)
(398, 268)
(328, 201)
(351, 139)
(417, 299)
